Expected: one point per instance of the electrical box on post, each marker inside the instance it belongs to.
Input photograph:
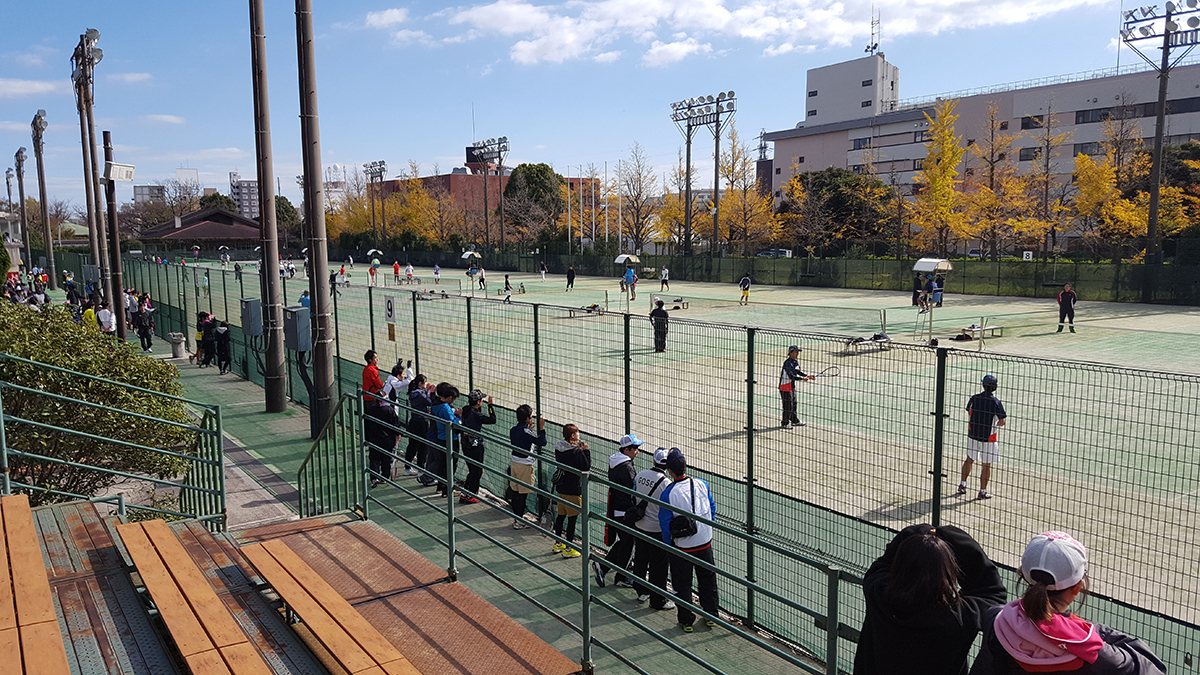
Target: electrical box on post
(252, 324)
(297, 335)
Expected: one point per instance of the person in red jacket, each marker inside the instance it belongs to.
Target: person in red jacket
(371, 383)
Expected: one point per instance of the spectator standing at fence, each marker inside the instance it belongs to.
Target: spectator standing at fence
(620, 507)
(789, 375)
(917, 285)
(648, 558)
(89, 315)
(570, 277)
(744, 284)
(144, 325)
(474, 419)
(573, 452)
(523, 462)
(664, 280)
(333, 278)
(543, 269)
(440, 464)
(305, 300)
(926, 599)
(660, 320)
(208, 340)
(693, 498)
(985, 416)
(1066, 307)
(1039, 633)
(107, 319)
(224, 348)
(420, 398)
(380, 439)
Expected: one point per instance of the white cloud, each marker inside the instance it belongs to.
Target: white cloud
(606, 57)
(787, 48)
(164, 119)
(412, 37)
(386, 18)
(30, 60)
(663, 53)
(583, 28)
(130, 78)
(10, 88)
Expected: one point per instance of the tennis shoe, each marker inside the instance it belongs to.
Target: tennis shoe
(962, 488)
(571, 553)
(598, 572)
(670, 604)
(519, 524)
(559, 547)
(797, 425)
(710, 623)
(688, 629)
(643, 599)
(468, 500)
(983, 494)
(623, 583)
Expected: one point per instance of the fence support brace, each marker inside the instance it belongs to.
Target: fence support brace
(939, 423)
(751, 528)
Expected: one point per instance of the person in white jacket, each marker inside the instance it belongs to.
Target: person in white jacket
(692, 497)
(648, 558)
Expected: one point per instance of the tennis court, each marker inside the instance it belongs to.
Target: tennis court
(1106, 452)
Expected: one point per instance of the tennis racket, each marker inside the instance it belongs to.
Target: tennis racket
(831, 371)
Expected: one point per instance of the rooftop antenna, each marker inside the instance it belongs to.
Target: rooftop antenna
(762, 145)
(873, 45)
(473, 121)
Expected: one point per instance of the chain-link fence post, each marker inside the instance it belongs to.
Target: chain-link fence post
(751, 529)
(832, 621)
(187, 334)
(471, 345)
(371, 313)
(939, 423)
(585, 660)
(337, 340)
(628, 397)
(416, 346)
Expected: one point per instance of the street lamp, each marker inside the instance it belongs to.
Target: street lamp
(491, 150)
(39, 127)
(1138, 26)
(8, 176)
(19, 160)
(375, 172)
(713, 112)
(83, 65)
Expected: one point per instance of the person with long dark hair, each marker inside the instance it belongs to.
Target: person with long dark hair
(926, 600)
(1039, 633)
(420, 398)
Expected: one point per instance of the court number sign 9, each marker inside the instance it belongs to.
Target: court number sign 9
(389, 304)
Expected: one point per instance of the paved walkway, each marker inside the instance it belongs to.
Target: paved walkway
(264, 452)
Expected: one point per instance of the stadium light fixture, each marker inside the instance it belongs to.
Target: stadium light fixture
(714, 112)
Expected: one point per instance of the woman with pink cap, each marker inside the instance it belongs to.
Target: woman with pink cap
(1039, 634)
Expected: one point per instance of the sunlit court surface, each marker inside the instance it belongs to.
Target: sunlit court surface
(1100, 440)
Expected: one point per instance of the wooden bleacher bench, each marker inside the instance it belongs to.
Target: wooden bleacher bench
(350, 639)
(30, 636)
(208, 637)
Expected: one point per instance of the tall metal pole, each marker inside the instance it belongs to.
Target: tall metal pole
(92, 220)
(500, 186)
(114, 235)
(1152, 261)
(314, 215)
(687, 194)
(39, 125)
(382, 209)
(717, 188)
(371, 196)
(19, 158)
(275, 378)
(105, 273)
(487, 232)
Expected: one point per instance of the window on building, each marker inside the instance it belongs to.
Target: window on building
(866, 104)
(812, 93)
(1088, 149)
(1004, 125)
(970, 171)
(778, 171)
(921, 136)
(970, 142)
(777, 193)
(800, 159)
(918, 164)
(858, 169)
(1030, 154)
(812, 113)
(867, 83)
(860, 143)
(1031, 122)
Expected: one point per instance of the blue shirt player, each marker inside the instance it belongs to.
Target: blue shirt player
(631, 280)
(986, 416)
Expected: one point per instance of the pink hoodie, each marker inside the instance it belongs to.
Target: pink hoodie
(1061, 643)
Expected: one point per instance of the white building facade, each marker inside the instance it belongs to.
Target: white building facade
(244, 194)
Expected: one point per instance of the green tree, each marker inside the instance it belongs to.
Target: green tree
(50, 336)
(534, 191)
(287, 220)
(218, 200)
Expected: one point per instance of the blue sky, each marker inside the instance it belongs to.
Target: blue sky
(569, 83)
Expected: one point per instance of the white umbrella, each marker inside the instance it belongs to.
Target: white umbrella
(627, 258)
(257, 248)
(374, 250)
(222, 248)
(195, 248)
(304, 250)
(470, 254)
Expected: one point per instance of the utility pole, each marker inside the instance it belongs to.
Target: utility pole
(275, 379)
(80, 77)
(118, 298)
(20, 158)
(314, 215)
(39, 126)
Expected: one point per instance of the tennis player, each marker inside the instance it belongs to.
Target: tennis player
(986, 415)
(788, 376)
(744, 284)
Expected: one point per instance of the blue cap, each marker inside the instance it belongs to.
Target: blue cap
(629, 441)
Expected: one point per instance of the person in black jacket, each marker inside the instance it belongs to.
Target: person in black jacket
(473, 418)
(570, 277)
(420, 397)
(144, 323)
(660, 320)
(573, 452)
(224, 347)
(926, 599)
(208, 340)
(620, 506)
(1039, 634)
(917, 286)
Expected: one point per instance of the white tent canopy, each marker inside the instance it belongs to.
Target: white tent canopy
(626, 258)
(932, 265)
(470, 254)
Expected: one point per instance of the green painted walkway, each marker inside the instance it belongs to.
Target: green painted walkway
(280, 442)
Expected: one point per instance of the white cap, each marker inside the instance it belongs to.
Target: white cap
(629, 440)
(660, 457)
(1057, 554)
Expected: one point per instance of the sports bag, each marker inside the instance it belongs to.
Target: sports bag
(683, 526)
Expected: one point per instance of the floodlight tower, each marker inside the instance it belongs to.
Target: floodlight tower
(85, 57)
(39, 127)
(375, 172)
(714, 112)
(492, 150)
(1140, 25)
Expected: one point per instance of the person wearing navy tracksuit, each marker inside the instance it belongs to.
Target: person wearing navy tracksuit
(690, 495)
(1066, 307)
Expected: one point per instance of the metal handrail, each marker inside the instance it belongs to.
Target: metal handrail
(124, 385)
